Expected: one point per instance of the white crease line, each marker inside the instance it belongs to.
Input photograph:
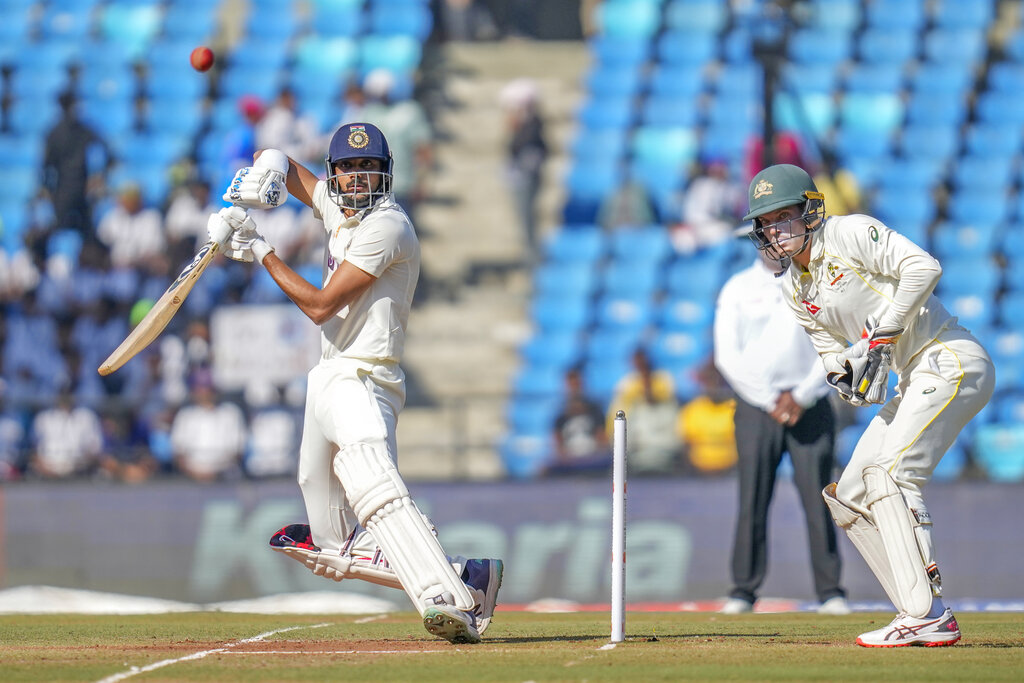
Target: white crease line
(334, 652)
(135, 670)
(367, 620)
(609, 646)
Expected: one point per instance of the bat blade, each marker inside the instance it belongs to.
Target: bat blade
(150, 327)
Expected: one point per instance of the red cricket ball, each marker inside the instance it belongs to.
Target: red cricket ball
(201, 58)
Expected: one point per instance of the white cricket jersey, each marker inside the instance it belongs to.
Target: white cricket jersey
(759, 348)
(860, 267)
(380, 241)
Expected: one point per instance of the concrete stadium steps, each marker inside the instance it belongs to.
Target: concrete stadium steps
(461, 348)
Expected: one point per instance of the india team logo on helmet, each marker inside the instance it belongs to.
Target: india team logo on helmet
(363, 188)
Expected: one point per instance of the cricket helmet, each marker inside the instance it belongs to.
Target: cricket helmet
(780, 186)
(359, 141)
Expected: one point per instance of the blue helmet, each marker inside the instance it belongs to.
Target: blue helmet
(359, 141)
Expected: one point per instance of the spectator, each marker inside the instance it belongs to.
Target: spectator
(581, 441)
(130, 230)
(67, 439)
(706, 425)
(187, 215)
(781, 406)
(126, 456)
(526, 152)
(628, 205)
(207, 436)
(649, 399)
(282, 127)
(713, 204)
(273, 446)
(74, 158)
(407, 129)
(12, 440)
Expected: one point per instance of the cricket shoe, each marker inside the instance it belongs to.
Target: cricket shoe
(451, 623)
(296, 542)
(483, 578)
(907, 630)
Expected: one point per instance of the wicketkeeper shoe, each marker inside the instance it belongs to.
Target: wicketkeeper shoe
(452, 624)
(907, 630)
(483, 578)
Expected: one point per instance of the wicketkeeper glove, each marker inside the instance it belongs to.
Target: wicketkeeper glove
(863, 373)
(257, 187)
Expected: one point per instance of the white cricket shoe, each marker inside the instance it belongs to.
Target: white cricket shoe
(736, 606)
(451, 623)
(907, 630)
(835, 607)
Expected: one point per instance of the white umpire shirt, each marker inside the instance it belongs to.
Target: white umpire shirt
(760, 348)
(380, 241)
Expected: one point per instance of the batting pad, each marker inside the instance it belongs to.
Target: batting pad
(866, 539)
(895, 524)
(382, 504)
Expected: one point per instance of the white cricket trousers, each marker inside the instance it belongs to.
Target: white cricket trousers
(943, 387)
(347, 402)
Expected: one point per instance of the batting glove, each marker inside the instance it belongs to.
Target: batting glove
(227, 221)
(257, 187)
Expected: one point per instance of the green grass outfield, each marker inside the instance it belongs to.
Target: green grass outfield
(660, 646)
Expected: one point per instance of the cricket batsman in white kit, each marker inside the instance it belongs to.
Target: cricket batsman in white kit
(361, 515)
(864, 295)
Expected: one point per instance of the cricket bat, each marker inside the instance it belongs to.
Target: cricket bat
(150, 327)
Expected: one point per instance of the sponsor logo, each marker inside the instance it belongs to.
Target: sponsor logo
(331, 263)
(834, 274)
(811, 308)
(873, 233)
(763, 188)
(929, 390)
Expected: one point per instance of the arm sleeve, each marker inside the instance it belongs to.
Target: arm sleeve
(890, 254)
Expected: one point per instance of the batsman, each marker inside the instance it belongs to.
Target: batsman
(863, 293)
(363, 524)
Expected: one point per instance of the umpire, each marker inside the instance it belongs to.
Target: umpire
(781, 405)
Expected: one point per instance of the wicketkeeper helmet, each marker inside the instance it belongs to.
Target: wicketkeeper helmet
(774, 188)
(359, 141)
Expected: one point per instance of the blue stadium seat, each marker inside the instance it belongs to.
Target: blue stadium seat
(533, 414)
(399, 54)
(810, 78)
(592, 181)
(999, 448)
(613, 344)
(814, 46)
(694, 277)
(812, 112)
(686, 48)
(613, 81)
(666, 80)
(873, 113)
(942, 79)
(966, 276)
(896, 14)
(553, 348)
(672, 110)
(263, 82)
(957, 14)
(677, 349)
(705, 16)
(567, 314)
(934, 142)
(842, 15)
(602, 375)
(665, 144)
(623, 312)
(914, 175)
(685, 314)
(874, 79)
(972, 310)
(130, 24)
(904, 212)
(979, 205)
(1010, 405)
(568, 244)
(893, 46)
(609, 51)
(408, 19)
(993, 140)
(525, 455)
(957, 45)
(952, 240)
(323, 55)
(566, 278)
(935, 109)
(1006, 77)
(640, 245)
(628, 18)
(629, 279)
(604, 145)
(197, 24)
(607, 112)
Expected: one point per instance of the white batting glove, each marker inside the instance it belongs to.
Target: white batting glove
(221, 225)
(248, 245)
(257, 187)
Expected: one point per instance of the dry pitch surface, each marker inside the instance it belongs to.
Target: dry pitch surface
(518, 647)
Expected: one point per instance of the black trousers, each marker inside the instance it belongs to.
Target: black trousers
(761, 443)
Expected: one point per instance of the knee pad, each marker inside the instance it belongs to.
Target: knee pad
(378, 496)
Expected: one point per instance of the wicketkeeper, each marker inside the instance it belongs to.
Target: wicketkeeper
(361, 515)
(864, 294)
